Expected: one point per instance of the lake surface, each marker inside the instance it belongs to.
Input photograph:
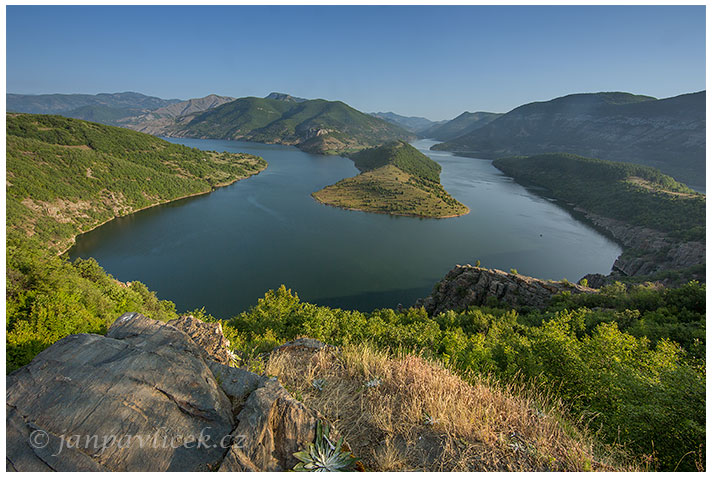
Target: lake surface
(224, 250)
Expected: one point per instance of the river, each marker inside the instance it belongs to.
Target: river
(224, 250)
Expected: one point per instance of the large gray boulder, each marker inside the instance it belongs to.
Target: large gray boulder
(141, 398)
(147, 397)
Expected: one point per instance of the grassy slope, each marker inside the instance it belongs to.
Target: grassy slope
(396, 179)
(638, 195)
(344, 129)
(419, 416)
(67, 176)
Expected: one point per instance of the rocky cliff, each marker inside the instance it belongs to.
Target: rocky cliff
(648, 251)
(158, 121)
(150, 396)
(468, 285)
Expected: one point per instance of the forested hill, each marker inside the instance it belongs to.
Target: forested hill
(401, 155)
(463, 124)
(395, 179)
(659, 222)
(636, 194)
(65, 176)
(319, 126)
(668, 134)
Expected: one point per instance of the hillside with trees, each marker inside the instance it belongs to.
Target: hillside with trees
(395, 179)
(66, 176)
(317, 126)
(615, 378)
(667, 134)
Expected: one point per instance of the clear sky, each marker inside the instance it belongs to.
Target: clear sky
(423, 61)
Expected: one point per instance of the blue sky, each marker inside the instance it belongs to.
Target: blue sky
(424, 61)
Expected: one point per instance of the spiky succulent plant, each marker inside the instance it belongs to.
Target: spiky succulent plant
(323, 455)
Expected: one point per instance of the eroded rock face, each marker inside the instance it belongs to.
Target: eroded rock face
(271, 427)
(467, 285)
(147, 397)
(656, 251)
(236, 383)
(208, 336)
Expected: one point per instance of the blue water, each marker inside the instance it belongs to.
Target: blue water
(223, 250)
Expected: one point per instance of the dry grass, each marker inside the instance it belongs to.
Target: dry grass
(417, 415)
(640, 182)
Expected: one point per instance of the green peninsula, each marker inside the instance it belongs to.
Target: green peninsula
(66, 176)
(395, 179)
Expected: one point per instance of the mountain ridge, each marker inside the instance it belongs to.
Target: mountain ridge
(317, 126)
(668, 133)
(414, 124)
(56, 103)
(461, 124)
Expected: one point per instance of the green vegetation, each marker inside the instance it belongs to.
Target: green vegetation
(48, 298)
(396, 179)
(323, 455)
(66, 176)
(607, 356)
(638, 195)
(319, 126)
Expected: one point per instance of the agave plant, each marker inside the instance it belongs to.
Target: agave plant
(319, 383)
(323, 455)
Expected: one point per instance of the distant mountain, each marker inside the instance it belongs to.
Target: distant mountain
(156, 121)
(62, 104)
(668, 134)
(102, 114)
(284, 97)
(410, 123)
(319, 126)
(463, 124)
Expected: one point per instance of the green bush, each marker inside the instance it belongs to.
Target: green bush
(611, 366)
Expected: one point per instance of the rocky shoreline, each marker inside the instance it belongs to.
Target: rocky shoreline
(647, 251)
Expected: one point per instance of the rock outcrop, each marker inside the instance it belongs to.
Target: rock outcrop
(208, 336)
(654, 251)
(468, 285)
(271, 427)
(149, 397)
